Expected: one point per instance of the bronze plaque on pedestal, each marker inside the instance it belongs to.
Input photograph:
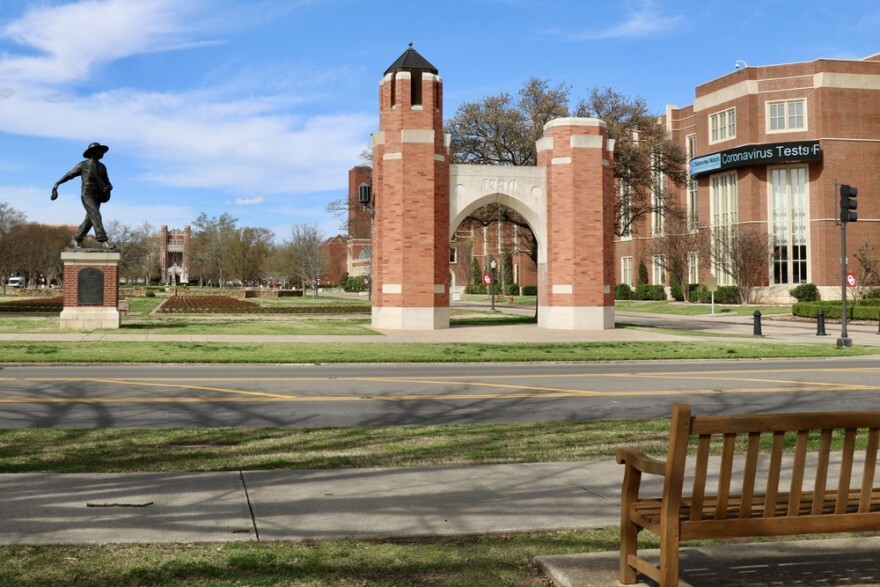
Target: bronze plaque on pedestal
(90, 287)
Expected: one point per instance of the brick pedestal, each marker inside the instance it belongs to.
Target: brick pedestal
(91, 289)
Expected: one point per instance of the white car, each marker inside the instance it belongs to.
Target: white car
(15, 282)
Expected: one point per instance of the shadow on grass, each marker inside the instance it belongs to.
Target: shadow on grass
(492, 320)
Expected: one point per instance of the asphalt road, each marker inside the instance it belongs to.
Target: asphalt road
(347, 395)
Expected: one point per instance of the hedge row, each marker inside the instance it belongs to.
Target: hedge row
(867, 309)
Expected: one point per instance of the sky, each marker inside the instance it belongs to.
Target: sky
(258, 108)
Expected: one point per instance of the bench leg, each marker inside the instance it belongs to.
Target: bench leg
(669, 560)
(629, 532)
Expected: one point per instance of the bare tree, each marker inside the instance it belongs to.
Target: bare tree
(500, 130)
(307, 255)
(208, 246)
(37, 250)
(744, 253)
(9, 219)
(868, 273)
(673, 248)
(643, 151)
(140, 250)
(246, 253)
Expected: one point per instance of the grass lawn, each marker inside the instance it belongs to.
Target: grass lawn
(683, 309)
(451, 562)
(204, 352)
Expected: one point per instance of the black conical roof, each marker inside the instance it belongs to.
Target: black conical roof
(411, 60)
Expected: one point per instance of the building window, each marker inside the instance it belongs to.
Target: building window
(786, 115)
(724, 208)
(693, 267)
(658, 266)
(722, 125)
(693, 196)
(788, 197)
(625, 210)
(453, 255)
(626, 270)
(657, 200)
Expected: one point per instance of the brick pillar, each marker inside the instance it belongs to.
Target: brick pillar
(576, 280)
(411, 198)
(91, 289)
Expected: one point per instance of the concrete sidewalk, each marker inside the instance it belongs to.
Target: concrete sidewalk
(40, 509)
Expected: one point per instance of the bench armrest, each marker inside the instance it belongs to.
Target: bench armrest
(633, 457)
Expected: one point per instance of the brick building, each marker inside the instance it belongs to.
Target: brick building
(768, 147)
(174, 255)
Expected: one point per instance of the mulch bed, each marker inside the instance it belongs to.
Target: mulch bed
(226, 305)
(54, 304)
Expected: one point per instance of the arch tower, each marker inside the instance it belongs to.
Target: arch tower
(568, 198)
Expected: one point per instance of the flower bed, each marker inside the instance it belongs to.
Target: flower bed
(53, 304)
(227, 305)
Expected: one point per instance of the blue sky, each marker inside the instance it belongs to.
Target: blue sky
(258, 108)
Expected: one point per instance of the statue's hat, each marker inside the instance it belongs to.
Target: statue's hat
(93, 148)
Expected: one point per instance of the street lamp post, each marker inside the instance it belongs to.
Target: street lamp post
(492, 266)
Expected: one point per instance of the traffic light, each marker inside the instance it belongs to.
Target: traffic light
(848, 203)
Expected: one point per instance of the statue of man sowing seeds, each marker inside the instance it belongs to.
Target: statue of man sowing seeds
(96, 189)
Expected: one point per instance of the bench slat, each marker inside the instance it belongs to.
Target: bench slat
(748, 487)
(728, 449)
(773, 473)
(787, 422)
(868, 472)
(797, 473)
(822, 470)
(843, 482)
(700, 466)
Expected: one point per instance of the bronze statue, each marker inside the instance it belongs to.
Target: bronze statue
(95, 191)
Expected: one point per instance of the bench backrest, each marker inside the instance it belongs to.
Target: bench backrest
(761, 450)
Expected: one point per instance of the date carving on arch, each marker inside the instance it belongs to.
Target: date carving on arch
(500, 184)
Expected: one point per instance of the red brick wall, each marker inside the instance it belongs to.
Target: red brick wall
(111, 284)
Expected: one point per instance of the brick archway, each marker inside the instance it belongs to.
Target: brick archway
(420, 199)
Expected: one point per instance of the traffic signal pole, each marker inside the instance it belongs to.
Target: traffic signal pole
(848, 204)
(844, 340)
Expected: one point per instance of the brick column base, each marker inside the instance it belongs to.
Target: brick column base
(91, 289)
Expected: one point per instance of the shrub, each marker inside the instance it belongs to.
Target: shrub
(150, 294)
(513, 289)
(650, 292)
(530, 290)
(623, 292)
(354, 283)
(805, 292)
(700, 294)
(643, 274)
(677, 292)
(477, 288)
(727, 294)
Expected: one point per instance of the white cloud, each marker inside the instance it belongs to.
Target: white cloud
(643, 20)
(208, 138)
(249, 201)
(73, 39)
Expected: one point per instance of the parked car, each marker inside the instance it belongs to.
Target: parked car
(15, 282)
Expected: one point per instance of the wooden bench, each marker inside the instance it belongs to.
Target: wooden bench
(753, 497)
